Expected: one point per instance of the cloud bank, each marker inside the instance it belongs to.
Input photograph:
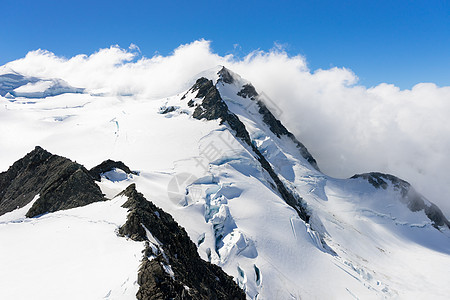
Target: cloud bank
(347, 127)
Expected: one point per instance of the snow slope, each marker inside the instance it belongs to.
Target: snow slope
(213, 186)
(71, 254)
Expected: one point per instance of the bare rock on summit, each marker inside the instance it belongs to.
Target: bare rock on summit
(225, 75)
(59, 182)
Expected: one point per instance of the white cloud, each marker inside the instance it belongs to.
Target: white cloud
(348, 128)
(134, 47)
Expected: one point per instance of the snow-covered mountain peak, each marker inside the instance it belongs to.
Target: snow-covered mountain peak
(409, 196)
(233, 94)
(235, 102)
(226, 76)
(14, 85)
(222, 74)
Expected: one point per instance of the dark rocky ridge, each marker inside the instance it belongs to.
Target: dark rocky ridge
(61, 184)
(413, 200)
(214, 108)
(248, 91)
(225, 76)
(203, 279)
(109, 165)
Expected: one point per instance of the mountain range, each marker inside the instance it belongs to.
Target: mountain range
(201, 195)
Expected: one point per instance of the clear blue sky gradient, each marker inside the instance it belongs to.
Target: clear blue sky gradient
(396, 41)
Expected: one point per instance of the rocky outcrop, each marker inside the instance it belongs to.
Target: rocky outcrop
(413, 200)
(171, 267)
(109, 165)
(212, 106)
(248, 91)
(225, 76)
(61, 184)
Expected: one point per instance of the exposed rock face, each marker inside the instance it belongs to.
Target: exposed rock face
(202, 86)
(61, 184)
(213, 107)
(410, 196)
(225, 76)
(109, 165)
(171, 267)
(248, 91)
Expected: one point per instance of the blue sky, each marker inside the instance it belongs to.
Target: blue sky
(400, 42)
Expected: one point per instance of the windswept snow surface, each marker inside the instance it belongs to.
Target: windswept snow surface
(71, 254)
(212, 185)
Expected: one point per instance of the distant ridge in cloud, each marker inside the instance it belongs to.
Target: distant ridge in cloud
(349, 128)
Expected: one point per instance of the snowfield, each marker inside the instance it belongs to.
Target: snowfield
(360, 243)
(71, 254)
